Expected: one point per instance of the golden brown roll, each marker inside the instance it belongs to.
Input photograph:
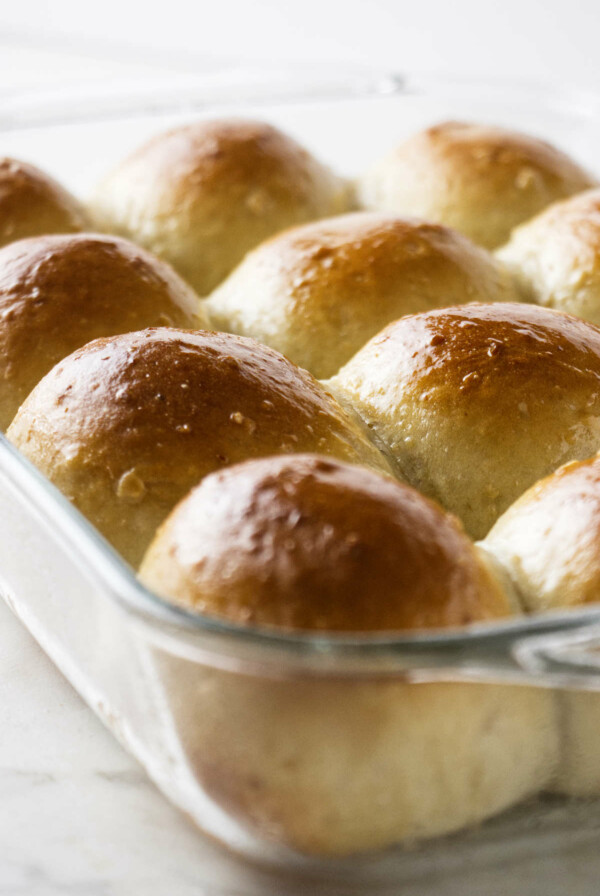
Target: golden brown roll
(59, 292)
(477, 402)
(304, 542)
(549, 542)
(330, 766)
(32, 203)
(479, 179)
(126, 426)
(202, 195)
(556, 256)
(318, 292)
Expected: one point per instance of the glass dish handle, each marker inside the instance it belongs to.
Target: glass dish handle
(564, 659)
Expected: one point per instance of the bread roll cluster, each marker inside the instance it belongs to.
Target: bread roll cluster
(178, 408)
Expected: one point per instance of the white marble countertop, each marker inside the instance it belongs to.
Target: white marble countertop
(80, 816)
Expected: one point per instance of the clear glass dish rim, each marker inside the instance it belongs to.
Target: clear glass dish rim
(90, 102)
(462, 649)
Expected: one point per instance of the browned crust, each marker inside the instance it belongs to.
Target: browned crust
(477, 402)
(33, 203)
(310, 543)
(489, 357)
(203, 195)
(345, 278)
(126, 426)
(482, 180)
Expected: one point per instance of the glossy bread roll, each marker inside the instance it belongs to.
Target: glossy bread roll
(126, 426)
(326, 766)
(318, 292)
(201, 196)
(479, 179)
(549, 542)
(59, 292)
(556, 256)
(32, 203)
(304, 542)
(476, 403)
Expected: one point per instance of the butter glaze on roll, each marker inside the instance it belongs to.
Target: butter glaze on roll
(59, 292)
(126, 426)
(318, 292)
(326, 766)
(476, 403)
(556, 256)
(308, 543)
(32, 203)
(479, 179)
(549, 542)
(201, 196)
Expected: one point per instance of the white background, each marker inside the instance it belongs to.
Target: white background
(535, 39)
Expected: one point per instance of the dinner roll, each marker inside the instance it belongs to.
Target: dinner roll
(331, 766)
(549, 541)
(477, 402)
(304, 542)
(556, 256)
(478, 179)
(202, 195)
(318, 292)
(126, 426)
(59, 292)
(32, 203)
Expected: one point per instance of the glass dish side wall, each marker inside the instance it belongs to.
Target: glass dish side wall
(275, 768)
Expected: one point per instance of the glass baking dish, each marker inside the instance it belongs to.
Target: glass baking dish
(183, 692)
